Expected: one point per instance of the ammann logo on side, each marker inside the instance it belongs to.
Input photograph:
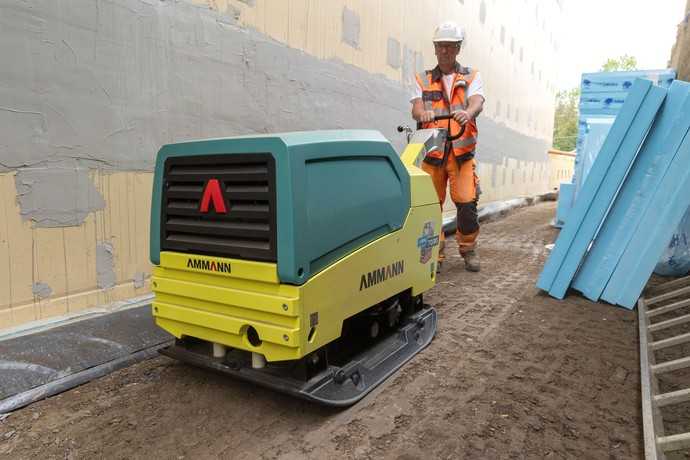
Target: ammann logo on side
(380, 275)
(209, 265)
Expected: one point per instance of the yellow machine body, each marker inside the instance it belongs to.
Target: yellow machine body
(220, 299)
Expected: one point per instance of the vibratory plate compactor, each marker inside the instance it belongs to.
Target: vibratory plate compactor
(295, 261)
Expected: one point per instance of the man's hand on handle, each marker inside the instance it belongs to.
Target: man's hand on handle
(427, 116)
(462, 116)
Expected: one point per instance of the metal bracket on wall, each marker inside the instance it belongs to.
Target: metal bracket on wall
(670, 300)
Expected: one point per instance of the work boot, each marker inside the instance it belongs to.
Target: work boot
(441, 255)
(471, 261)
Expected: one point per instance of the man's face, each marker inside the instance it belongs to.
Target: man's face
(446, 52)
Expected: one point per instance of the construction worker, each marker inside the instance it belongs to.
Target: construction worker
(452, 89)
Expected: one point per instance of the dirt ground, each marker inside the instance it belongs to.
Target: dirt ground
(511, 373)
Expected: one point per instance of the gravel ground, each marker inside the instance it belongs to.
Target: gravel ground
(512, 373)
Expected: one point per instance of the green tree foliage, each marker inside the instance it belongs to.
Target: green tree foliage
(565, 123)
(625, 62)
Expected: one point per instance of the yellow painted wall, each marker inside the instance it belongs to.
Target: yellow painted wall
(561, 167)
(65, 258)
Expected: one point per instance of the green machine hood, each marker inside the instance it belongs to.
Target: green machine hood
(333, 192)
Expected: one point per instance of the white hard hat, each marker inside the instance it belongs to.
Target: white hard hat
(449, 32)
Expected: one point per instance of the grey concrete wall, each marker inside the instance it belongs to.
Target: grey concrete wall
(104, 83)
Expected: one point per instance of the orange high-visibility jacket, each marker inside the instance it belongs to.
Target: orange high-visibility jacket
(435, 98)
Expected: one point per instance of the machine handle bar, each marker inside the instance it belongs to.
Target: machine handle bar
(450, 117)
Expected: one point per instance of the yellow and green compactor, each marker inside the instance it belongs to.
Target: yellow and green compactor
(295, 261)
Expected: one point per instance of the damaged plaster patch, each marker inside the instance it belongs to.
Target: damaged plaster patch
(393, 57)
(105, 265)
(419, 61)
(409, 65)
(41, 290)
(56, 195)
(350, 28)
(139, 278)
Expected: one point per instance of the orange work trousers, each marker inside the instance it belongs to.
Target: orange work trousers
(462, 181)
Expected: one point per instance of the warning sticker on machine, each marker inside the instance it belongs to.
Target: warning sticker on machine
(426, 242)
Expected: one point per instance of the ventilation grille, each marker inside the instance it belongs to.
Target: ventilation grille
(247, 230)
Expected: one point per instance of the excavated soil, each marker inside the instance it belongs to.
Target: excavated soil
(512, 373)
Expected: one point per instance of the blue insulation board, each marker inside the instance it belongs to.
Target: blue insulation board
(602, 103)
(609, 82)
(565, 202)
(647, 171)
(597, 130)
(675, 261)
(608, 171)
(603, 94)
(660, 220)
(608, 188)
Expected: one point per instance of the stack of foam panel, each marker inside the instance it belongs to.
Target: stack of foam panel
(636, 193)
(597, 130)
(602, 95)
(566, 194)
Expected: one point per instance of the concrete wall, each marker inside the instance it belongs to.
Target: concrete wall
(90, 89)
(680, 55)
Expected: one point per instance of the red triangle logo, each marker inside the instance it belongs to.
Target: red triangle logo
(213, 194)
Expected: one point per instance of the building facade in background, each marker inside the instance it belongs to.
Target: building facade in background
(680, 55)
(90, 90)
